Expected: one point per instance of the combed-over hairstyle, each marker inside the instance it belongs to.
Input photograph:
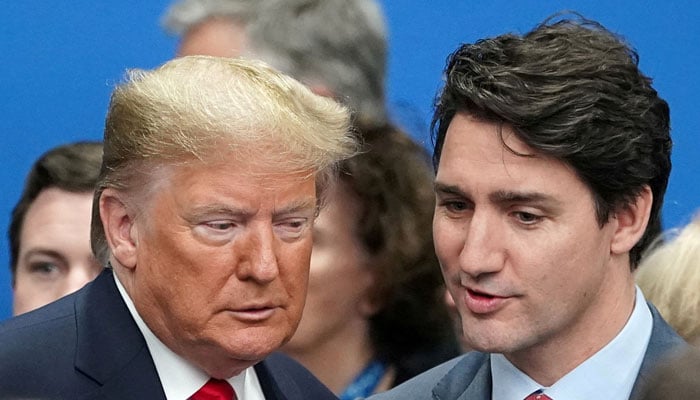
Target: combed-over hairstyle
(204, 108)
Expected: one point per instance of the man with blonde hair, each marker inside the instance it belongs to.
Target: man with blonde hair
(213, 173)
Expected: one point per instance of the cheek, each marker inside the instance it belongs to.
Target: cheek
(28, 294)
(294, 261)
(447, 242)
(176, 254)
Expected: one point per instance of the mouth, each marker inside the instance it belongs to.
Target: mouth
(483, 303)
(253, 314)
(480, 295)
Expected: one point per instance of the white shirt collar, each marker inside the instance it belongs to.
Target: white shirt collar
(612, 370)
(181, 379)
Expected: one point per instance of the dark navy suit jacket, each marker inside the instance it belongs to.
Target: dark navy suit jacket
(87, 346)
(468, 377)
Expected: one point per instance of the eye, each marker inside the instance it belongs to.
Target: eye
(455, 206)
(526, 218)
(216, 232)
(45, 269)
(219, 225)
(291, 228)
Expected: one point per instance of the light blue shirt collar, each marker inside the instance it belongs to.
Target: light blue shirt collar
(610, 373)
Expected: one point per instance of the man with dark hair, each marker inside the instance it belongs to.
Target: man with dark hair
(552, 153)
(49, 230)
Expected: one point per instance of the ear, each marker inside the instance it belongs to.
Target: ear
(119, 227)
(373, 300)
(632, 221)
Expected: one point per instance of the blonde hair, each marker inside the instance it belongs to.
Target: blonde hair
(669, 276)
(201, 108)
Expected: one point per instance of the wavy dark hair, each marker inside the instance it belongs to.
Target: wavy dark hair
(72, 167)
(572, 90)
(394, 182)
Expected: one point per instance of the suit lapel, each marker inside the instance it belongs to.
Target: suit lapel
(664, 341)
(470, 379)
(269, 384)
(110, 348)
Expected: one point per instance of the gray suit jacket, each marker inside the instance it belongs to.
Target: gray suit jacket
(468, 377)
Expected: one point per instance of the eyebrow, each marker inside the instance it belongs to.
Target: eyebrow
(291, 208)
(439, 187)
(42, 252)
(502, 196)
(507, 196)
(296, 206)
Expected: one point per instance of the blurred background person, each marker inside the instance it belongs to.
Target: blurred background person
(336, 47)
(374, 315)
(49, 230)
(210, 27)
(669, 276)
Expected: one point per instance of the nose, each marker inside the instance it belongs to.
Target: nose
(483, 251)
(258, 259)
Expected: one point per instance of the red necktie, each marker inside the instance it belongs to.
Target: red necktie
(215, 389)
(538, 396)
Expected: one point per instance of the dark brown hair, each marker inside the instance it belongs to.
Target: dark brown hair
(572, 90)
(394, 183)
(73, 167)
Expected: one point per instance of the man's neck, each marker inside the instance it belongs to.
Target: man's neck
(556, 356)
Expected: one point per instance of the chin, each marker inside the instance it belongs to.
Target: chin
(253, 347)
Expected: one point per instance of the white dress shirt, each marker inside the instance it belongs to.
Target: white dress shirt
(610, 373)
(181, 379)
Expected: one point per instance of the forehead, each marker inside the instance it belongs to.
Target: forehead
(494, 141)
(56, 214)
(492, 155)
(236, 178)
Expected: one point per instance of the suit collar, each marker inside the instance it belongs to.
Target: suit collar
(468, 379)
(664, 343)
(282, 378)
(110, 349)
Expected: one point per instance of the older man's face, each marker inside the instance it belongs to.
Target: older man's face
(223, 256)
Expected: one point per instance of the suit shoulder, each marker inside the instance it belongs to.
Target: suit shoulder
(421, 386)
(38, 325)
(280, 372)
(28, 339)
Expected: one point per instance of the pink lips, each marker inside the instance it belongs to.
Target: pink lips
(483, 303)
(254, 314)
